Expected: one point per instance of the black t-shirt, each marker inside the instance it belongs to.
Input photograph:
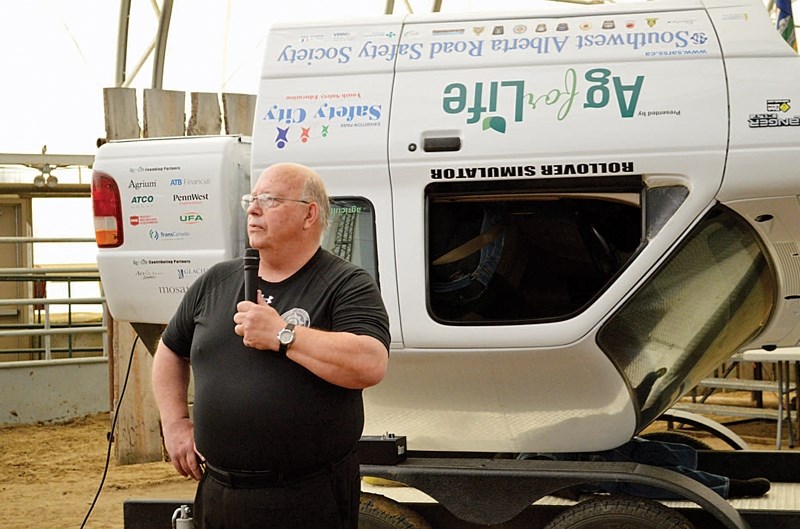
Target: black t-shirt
(258, 410)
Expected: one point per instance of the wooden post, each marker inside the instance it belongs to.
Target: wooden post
(137, 438)
(205, 119)
(164, 113)
(122, 121)
(137, 434)
(239, 111)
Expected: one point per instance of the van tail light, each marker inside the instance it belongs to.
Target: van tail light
(107, 208)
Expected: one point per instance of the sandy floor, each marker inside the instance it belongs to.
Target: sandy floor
(49, 475)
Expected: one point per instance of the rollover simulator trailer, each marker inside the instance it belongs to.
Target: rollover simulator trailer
(573, 214)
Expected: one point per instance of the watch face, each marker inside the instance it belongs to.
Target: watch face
(286, 336)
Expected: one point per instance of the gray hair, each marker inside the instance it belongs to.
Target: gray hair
(314, 191)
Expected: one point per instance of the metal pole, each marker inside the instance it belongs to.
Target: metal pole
(69, 317)
(122, 42)
(161, 44)
(48, 355)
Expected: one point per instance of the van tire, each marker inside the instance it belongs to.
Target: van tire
(619, 511)
(379, 512)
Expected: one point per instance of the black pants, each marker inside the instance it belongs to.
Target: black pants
(327, 500)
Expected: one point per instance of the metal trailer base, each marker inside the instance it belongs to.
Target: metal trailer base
(156, 514)
(483, 493)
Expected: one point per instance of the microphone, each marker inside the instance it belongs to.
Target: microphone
(251, 274)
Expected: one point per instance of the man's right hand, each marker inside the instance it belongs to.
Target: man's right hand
(171, 375)
(179, 441)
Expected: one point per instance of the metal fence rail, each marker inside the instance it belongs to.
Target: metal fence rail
(49, 329)
(45, 331)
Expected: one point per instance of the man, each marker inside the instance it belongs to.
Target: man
(276, 421)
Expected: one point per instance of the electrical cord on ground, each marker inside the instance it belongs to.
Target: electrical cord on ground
(110, 435)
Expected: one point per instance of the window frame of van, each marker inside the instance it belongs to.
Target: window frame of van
(626, 195)
(366, 243)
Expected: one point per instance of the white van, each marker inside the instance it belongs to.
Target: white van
(573, 214)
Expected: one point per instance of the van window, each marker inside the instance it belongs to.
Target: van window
(351, 233)
(522, 251)
(714, 294)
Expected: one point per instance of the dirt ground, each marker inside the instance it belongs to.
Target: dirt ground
(50, 474)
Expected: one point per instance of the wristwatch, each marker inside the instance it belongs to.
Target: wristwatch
(286, 338)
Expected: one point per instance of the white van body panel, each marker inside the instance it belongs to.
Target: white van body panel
(680, 110)
(472, 400)
(658, 105)
(761, 178)
(617, 127)
(180, 216)
(308, 110)
(643, 85)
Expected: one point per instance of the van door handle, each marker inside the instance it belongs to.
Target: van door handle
(450, 144)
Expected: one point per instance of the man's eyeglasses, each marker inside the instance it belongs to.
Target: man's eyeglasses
(266, 201)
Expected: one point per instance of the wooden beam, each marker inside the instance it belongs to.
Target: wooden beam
(239, 110)
(138, 433)
(122, 121)
(164, 113)
(206, 119)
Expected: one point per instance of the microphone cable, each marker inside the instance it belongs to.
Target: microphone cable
(110, 435)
